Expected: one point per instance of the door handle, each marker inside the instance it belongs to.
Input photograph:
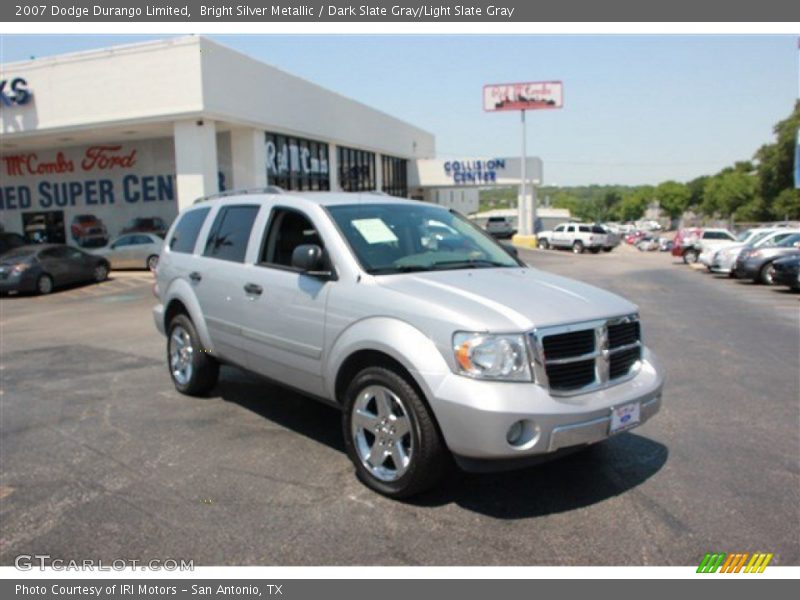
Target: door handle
(252, 288)
(195, 276)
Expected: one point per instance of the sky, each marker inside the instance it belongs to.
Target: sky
(637, 109)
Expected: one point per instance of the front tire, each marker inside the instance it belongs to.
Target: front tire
(391, 436)
(44, 285)
(544, 244)
(100, 273)
(577, 247)
(690, 257)
(152, 262)
(194, 371)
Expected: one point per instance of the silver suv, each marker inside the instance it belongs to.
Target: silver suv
(435, 341)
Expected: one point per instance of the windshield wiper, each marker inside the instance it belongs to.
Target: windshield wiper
(473, 263)
(398, 269)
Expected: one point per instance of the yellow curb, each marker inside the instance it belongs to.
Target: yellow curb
(524, 241)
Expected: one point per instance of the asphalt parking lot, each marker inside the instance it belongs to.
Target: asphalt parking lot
(101, 458)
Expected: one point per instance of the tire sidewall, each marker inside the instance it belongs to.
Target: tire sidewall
(577, 247)
(764, 274)
(389, 379)
(44, 277)
(147, 262)
(186, 323)
(105, 272)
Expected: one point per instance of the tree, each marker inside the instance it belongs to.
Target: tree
(728, 191)
(633, 204)
(673, 198)
(776, 161)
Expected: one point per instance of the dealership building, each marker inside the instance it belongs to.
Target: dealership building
(98, 143)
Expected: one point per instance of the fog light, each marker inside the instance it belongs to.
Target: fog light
(523, 434)
(515, 433)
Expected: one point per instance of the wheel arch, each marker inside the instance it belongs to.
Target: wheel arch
(382, 341)
(177, 302)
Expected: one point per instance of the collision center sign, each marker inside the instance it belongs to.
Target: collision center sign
(533, 95)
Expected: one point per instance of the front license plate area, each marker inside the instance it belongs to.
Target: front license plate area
(624, 417)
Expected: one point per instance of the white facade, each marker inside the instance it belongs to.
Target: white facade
(143, 130)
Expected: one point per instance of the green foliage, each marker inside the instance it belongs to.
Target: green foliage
(673, 197)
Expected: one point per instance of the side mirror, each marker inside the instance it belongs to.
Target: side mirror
(511, 249)
(310, 259)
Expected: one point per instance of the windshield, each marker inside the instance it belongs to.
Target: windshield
(398, 238)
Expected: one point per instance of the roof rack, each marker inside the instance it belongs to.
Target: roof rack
(270, 189)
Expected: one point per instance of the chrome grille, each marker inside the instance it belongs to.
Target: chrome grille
(585, 356)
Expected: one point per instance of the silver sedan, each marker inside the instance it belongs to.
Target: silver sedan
(133, 251)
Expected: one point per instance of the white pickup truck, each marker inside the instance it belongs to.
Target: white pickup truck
(576, 236)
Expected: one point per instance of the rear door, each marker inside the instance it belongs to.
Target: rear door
(219, 277)
(54, 264)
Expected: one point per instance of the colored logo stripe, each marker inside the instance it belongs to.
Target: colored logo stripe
(734, 562)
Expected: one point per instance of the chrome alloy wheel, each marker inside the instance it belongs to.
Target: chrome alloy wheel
(381, 430)
(180, 355)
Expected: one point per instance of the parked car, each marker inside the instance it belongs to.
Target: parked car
(787, 272)
(575, 236)
(634, 237)
(154, 225)
(499, 227)
(725, 259)
(758, 263)
(88, 231)
(133, 251)
(613, 237)
(429, 353)
(687, 241)
(665, 245)
(747, 237)
(41, 268)
(649, 243)
(10, 240)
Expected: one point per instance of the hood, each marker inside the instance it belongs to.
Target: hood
(508, 299)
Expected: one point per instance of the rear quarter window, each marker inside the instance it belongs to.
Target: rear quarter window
(184, 237)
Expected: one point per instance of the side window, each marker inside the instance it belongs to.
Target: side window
(287, 229)
(585, 229)
(572, 229)
(560, 228)
(231, 232)
(185, 235)
(123, 241)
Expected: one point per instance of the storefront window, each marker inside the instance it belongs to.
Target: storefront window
(297, 163)
(356, 169)
(395, 182)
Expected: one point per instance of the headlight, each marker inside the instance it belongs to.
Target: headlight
(488, 356)
(19, 268)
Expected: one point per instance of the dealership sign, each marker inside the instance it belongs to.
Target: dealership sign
(14, 92)
(474, 171)
(534, 95)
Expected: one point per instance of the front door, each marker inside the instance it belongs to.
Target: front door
(284, 320)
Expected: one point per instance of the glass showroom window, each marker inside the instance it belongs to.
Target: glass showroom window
(395, 182)
(296, 163)
(356, 169)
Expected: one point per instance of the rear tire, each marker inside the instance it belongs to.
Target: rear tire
(767, 274)
(193, 370)
(577, 247)
(403, 430)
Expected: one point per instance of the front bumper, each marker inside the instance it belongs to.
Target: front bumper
(18, 284)
(748, 269)
(475, 416)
